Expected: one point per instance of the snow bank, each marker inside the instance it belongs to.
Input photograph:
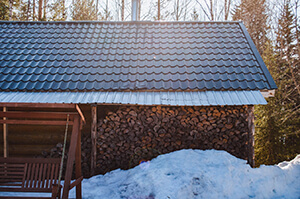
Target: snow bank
(188, 174)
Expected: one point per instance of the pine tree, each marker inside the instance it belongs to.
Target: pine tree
(274, 125)
(289, 81)
(254, 15)
(278, 134)
(267, 136)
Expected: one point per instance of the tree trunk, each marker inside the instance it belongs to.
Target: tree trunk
(106, 11)
(45, 5)
(140, 8)
(227, 5)
(64, 11)
(10, 9)
(211, 10)
(33, 10)
(122, 10)
(177, 10)
(158, 10)
(28, 10)
(40, 10)
(97, 2)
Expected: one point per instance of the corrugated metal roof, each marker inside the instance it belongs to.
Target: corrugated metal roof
(197, 98)
(119, 56)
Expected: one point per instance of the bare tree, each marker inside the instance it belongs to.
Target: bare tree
(203, 9)
(177, 10)
(180, 9)
(227, 4)
(104, 12)
(214, 11)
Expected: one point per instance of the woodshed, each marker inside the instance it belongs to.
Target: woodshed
(145, 88)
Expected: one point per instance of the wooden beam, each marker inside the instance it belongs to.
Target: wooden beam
(76, 182)
(37, 115)
(37, 105)
(81, 114)
(71, 157)
(29, 160)
(94, 139)
(78, 173)
(268, 93)
(27, 150)
(251, 128)
(5, 145)
(36, 122)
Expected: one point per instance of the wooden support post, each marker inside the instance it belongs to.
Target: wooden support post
(78, 164)
(5, 149)
(71, 157)
(94, 140)
(251, 128)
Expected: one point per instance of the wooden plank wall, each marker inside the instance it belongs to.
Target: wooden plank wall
(30, 141)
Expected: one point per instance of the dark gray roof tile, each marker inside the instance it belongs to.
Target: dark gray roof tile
(91, 56)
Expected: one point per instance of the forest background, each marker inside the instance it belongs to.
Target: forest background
(273, 25)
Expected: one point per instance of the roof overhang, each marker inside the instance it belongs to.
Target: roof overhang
(184, 98)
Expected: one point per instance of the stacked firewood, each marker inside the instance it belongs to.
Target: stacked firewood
(86, 147)
(56, 152)
(132, 134)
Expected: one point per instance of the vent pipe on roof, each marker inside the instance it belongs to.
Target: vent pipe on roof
(135, 7)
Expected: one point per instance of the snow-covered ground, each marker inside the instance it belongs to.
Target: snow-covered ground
(189, 174)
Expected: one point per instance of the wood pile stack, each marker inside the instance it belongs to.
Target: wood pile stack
(56, 152)
(128, 135)
(86, 147)
(132, 134)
